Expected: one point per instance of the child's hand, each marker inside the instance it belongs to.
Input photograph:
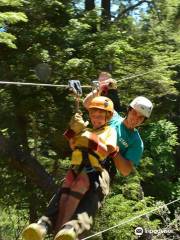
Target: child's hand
(77, 123)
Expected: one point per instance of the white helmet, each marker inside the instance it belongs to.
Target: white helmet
(142, 105)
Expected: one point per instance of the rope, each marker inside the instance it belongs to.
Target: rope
(84, 86)
(131, 219)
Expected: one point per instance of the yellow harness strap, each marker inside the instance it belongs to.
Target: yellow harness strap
(92, 159)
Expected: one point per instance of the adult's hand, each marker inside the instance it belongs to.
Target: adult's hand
(109, 83)
(124, 166)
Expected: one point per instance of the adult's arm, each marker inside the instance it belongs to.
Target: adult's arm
(111, 93)
(87, 100)
(124, 166)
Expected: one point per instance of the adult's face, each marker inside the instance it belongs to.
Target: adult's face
(103, 76)
(134, 119)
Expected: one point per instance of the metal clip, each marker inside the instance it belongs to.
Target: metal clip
(95, 84)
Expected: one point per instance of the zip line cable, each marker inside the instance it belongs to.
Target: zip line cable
(39, 84)
(150, 71)
(131, 219)
(83, 86)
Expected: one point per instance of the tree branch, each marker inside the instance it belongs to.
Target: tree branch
(130, 8)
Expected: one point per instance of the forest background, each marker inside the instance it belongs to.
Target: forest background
(53, 41)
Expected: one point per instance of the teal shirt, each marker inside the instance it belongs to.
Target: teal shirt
(130, 143)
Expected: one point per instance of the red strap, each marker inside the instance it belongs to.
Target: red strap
(115, 153)
(96, 145)
(105, 90)
(69, 133)
(93, 142)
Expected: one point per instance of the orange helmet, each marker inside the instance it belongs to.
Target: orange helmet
(103, 103)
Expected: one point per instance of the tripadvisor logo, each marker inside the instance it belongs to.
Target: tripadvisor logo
(139, 231)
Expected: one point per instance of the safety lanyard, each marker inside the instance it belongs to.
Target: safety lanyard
(75, 87)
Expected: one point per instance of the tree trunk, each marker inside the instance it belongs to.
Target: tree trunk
(106, 12)
(89, 5)
(33, 203)
(28, 165)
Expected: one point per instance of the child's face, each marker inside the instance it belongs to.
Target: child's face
(98, 117)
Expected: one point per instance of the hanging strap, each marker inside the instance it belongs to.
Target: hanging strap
(75, 87)
(75, 194)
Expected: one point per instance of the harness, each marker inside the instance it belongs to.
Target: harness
(83, 157)
(90, 150)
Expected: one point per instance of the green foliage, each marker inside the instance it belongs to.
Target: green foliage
(121, 210)
(13, 3)
(160, 139)
(12, 222)
(12, 17)
(169, 228)
(8, 39)
(9, 18)
(158, 166)
(77, 44)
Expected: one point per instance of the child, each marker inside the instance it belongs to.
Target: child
(90, 148)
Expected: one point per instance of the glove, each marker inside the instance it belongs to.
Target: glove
(104, 181)
(112, 83)
(77, 123)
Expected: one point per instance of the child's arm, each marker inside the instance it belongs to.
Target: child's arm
(90, 97)
(76, 126)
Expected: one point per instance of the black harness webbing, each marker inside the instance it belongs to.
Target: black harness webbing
(85, 156)
(68, 191)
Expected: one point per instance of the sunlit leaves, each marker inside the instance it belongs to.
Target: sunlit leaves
(10, 18)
